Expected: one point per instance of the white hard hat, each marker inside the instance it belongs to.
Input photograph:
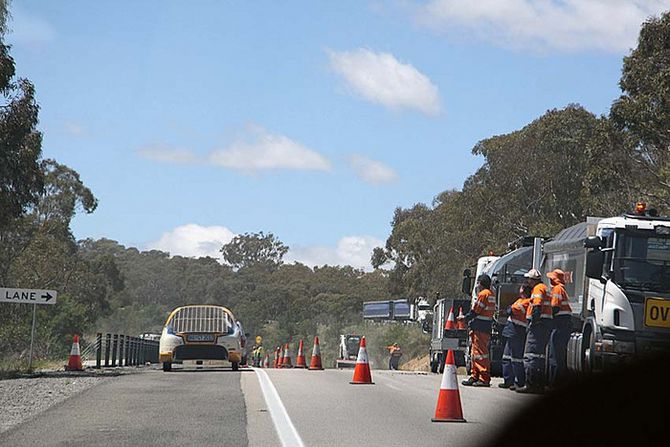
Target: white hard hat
(533, 274)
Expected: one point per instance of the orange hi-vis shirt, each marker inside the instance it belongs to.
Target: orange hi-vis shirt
(540, 297)
(485, 305)
(519, 309)
(559, 298)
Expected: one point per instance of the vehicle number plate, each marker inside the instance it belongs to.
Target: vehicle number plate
(657, 312)
(200, 337)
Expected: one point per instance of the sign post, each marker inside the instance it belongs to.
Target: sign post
(28, 296)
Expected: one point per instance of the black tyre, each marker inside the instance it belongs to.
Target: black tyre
(236, 366)
(434, 364)
(167, 366)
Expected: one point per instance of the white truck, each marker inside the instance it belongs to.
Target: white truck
(618, 279)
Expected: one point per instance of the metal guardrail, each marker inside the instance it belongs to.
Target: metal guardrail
(114, 350)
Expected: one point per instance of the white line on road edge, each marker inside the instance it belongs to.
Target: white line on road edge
(288, 435)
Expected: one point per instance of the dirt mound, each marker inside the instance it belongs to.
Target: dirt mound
(417, 364)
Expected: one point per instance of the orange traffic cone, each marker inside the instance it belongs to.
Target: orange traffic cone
(449, 400)
(449, 325)
(460, 323)
(362, 375)
(300, 358)
(74, 362)
(279, 357)
(315, 362)
(286, 361)
(266, 361)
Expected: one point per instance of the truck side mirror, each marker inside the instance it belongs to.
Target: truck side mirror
(594, 264)
(466, 287)
(593, 242)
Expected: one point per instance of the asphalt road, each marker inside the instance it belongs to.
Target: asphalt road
(199, 408)
(222, 407)
(396, 411)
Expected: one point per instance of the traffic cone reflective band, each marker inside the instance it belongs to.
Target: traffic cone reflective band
(449, 400)
(362, 373)
(300, 359)
(450, 324)
(460, 324)
(315, 362)
(74, 362)
(286, 361)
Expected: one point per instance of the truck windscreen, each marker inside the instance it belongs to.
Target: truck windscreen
(642, 260)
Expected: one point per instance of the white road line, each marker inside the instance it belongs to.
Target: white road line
(286, 431)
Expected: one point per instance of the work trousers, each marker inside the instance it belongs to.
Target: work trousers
(394, 362)
(512, 359)
(481, 364)
(558, 344)
(534, 354)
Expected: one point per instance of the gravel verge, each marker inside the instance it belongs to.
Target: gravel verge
(23, 398)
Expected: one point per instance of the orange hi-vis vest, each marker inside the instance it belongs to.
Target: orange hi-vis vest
(519, 309)
(559, 298)
(540, 297)
(485, 305)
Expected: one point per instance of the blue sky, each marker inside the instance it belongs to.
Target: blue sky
(193, 121)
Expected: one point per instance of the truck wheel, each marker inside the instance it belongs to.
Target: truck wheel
(588, 351)
(434, 364)
(236, 366)
(167, 366)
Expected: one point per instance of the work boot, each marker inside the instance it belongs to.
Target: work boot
(481, 384)
(504, 385)
(528, 390)
(471, 381)
(512, 387)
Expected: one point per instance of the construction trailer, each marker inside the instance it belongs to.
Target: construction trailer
(348, 351)
(443, 339)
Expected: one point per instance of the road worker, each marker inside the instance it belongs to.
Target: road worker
(539, 316)
(394, 356)
(558, 340)
(515, 338)
(257, 352)
(480, 319)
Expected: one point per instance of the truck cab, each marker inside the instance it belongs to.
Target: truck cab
(624, 307)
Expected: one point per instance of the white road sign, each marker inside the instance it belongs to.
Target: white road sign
(27, 296)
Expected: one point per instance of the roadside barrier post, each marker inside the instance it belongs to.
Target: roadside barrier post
(142, 351)
(133, 351)
(98, 350)
(108, 343)
(115, 347)
(122, 348)
(137, 352)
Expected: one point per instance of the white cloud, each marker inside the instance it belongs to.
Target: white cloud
(29, 30)
(571, 25)
(350, 250)
(266, 151)
(192, 240)
(381, 78)
(167, 154)
(75, 129)
(372, 171)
